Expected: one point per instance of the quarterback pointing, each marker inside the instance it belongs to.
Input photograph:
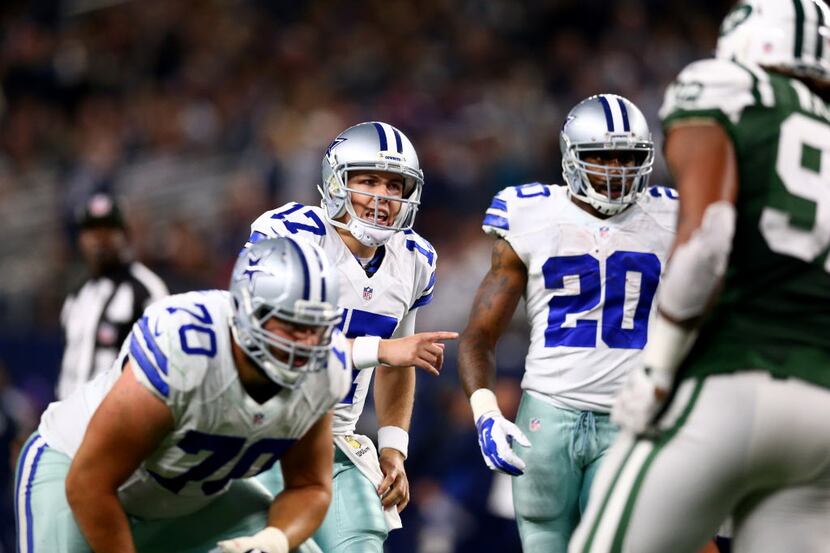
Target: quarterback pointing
(210, 387)
(587, 258)
(371, 189)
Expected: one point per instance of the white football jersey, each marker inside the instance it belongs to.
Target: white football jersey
(402, 281)
(180, 350)
(590, 288)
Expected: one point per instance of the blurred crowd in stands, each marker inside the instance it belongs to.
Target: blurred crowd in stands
(201, 114)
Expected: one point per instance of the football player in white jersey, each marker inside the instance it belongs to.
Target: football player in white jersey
(210, 388)
(587, 257)
(371, 190)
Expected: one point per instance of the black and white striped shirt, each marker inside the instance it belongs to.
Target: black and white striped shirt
(98, 317)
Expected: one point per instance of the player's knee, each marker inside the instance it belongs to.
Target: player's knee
(545, 535)
(367, 541)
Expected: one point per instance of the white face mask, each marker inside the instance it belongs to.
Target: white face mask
(368, 235)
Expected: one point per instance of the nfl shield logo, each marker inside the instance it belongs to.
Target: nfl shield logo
(367, 293)
(258, 418)
(535, 424)
(604, 232)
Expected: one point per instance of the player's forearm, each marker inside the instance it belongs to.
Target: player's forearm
(298, 512)
(394, 396)
(476, 361)
(101, 517)
(702, 160)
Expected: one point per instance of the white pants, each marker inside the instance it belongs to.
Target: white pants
(743, 444)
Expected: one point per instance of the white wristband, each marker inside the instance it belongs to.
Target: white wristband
(394, 437)
(269, 540)
(668, 344)
(483, 401)
(365, 352)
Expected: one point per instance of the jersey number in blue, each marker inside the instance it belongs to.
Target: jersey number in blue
(205, 319)
(586, 268)
(365, 323)
(221, 450)
(318, 228)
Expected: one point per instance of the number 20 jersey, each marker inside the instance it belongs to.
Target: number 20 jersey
(590, 287)
(180, 350)
(774, 311)
(374, 305)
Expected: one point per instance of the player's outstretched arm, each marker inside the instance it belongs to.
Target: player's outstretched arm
(299, 509)
(127, 427)
(424, 350)
(702, 160)
(493, 307)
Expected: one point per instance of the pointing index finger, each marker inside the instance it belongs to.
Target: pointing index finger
(440, 335)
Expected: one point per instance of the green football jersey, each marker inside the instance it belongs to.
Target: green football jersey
(774, 311)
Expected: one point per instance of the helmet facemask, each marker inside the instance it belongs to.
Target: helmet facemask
(291, 282)
(359, 153)
(260, 344)
(608, 127)
(618, 185)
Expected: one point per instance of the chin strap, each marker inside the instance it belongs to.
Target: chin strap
(369, 236)
(365, 234)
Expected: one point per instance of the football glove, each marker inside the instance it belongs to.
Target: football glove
(270, 540)
(496, 435)
(640, 399)
(648, 386)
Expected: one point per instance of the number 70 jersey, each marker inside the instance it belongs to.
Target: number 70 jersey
(181, 352)
(590, 288)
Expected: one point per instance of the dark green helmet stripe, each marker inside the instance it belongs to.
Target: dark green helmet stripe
(819, 39)
(799, 28)
(756, 93)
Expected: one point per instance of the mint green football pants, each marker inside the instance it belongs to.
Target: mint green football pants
(45, 523)
(354, 522)
(567, 449)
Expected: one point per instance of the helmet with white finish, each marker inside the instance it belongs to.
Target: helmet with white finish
(788, 34)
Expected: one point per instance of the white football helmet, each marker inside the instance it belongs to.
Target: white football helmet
(788, 34)
(370, 146)
(604, 123)
(293, 281)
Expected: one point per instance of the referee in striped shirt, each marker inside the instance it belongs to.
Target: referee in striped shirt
(98, 316)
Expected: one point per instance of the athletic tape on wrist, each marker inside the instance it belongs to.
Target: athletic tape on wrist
(483, 401)
(668, 344)
(275, 539)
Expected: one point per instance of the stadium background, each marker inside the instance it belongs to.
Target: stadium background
(202, 114)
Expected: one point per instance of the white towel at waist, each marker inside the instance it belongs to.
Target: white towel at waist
(361, 451)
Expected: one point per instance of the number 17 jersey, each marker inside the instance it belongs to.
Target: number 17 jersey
(399, 280)
(590, 286)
